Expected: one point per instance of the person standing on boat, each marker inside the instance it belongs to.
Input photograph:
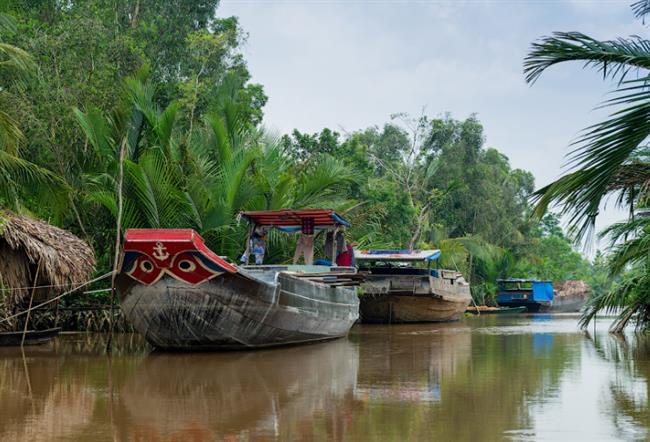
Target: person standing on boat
(335, 243)
(305, 243)
(346, 257)
(256, 246)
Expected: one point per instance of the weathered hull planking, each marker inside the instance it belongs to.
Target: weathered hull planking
(396, 295)
(403, 308)
(248, 309)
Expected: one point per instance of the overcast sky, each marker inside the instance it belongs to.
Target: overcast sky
(350, 64)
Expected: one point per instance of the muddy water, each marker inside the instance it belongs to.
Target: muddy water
(483, 379)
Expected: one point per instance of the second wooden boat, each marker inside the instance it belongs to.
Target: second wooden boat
(401, 286)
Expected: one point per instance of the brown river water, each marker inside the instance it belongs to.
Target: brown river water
(519, 378)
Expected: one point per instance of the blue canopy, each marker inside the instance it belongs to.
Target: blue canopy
(542, 291)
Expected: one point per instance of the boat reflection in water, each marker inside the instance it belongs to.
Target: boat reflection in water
(34, 406)
(414, 361)
(277, 394)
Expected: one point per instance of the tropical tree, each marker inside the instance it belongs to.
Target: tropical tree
(202, 180)
(13, 60)
(609, 157)
(16, 173)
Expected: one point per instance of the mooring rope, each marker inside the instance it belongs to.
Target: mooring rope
(24, 312)
(9, 289)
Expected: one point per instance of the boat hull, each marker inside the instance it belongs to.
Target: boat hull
(407, 294)
(32, 337)
(410, 308)
(568, 304)
(531, 306)
(496, 310)
(237, 311)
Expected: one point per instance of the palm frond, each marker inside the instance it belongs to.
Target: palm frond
(7, 23)
(165, 126)
(139, 188)
(641, 8)
(96, 129)
(321, 181)
(17, 173)
(613, 58)
(629, 297)
(16, 59)
(10, 134)
(602, 150)
(219, 138)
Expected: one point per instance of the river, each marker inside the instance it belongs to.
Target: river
(516, 378)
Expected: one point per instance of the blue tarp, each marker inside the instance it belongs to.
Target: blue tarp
(542, 291)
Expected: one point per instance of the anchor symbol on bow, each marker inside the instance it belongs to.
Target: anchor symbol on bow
(160, 252)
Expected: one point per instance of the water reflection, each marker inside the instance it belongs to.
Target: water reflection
(524, 378)
(629, 385)
(269, 393)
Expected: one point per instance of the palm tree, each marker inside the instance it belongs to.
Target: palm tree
(610, 156)
(17, 174)
(200, 181)
(17, 61)
(152, 187)
(603, 150)
(630, 245)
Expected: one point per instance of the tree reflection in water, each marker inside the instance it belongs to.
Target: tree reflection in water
(629, 404)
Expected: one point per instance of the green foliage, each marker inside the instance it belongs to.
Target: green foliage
(166, 81)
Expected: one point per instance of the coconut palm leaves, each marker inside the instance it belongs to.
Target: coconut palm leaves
(609, 157)
(17, 174)
(630, 242)
(13, 60)
(603, 148)
(630, 298)
(201, 181)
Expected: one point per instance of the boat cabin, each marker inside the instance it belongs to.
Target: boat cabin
(308, 224)
(530, 293)
(405, 272)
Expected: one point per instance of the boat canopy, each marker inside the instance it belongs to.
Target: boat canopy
(520, 280)
(397, 255)
(542, 291)
(290, 221)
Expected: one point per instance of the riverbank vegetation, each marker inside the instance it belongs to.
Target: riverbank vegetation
(610, 160)
(161, 92)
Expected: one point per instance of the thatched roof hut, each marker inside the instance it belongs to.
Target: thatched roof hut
(33, 252)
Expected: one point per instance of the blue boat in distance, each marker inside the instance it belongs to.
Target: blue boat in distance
(536, 296)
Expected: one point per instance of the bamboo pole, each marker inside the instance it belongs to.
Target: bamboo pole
(31, 300)
(118, 240)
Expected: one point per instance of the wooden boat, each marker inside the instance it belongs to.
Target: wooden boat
(536, 296)
(182, 296)
(32, 337)
(397, 290)
(487, 310)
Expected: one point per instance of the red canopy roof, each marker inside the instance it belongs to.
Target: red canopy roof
(293, 218)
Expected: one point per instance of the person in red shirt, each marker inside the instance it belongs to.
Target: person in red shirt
(346, 257)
